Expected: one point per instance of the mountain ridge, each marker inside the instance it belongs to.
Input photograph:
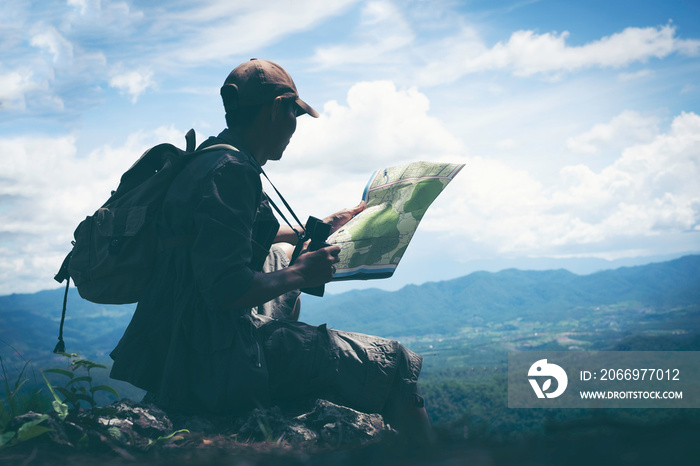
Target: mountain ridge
(30, 321)
(512, 292)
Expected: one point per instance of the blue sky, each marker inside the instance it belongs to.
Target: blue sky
(578, 122)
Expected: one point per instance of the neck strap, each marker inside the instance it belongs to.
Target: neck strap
(284, 201)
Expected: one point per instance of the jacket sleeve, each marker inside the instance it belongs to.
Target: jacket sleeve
(223, 223)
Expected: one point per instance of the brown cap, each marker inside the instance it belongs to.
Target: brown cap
(257, 82)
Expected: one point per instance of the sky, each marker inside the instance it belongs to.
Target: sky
(578, 122)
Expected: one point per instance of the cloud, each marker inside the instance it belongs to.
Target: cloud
(217, 30)
(627, 77)
(382, 30)
(40, 207)
(387, 35)
(133, 83)
(330, 158)
(651, 189)
(77, 44)
(84, 6)
(628, 128)
(53, 42)
(46, 46)
(379, 125)
(527, 53)
(14, 86)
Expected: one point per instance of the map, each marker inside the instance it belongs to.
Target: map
(373, 242)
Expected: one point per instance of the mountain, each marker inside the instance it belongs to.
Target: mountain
(660, 296)
(509, 295)
(29, 324)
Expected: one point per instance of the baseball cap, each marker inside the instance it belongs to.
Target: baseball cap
(257, 82)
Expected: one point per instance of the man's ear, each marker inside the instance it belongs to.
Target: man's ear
(276, 108)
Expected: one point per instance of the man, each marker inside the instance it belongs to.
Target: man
(216, 332)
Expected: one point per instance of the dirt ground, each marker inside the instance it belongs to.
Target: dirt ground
(570, 448)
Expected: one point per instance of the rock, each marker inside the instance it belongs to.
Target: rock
(126, 426)
(271, 425)
(125, 423)
(328, 424)
(145, 420)
(340, 426)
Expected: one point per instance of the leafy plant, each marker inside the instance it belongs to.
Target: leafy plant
(26, 431)
(12, 409)
(58, 405)
(175, 437)
(79, 388)
(15, 405)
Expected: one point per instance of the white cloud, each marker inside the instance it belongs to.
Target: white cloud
(46, 45)
(71, 50)
(688, 88)
(626, 129)
(651, 189)
(506, 144)
(382, 30)
(627, 77)
(527, 53)
(53, 42)
(14, 86)
(133, 83)
(106, 19)
(46, 189)
(83, 6)
(219, 29)
(380, 126)
(73, 44)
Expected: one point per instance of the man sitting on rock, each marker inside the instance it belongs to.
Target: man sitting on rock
(217, 329)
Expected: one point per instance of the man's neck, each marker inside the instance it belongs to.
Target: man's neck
(244, 141)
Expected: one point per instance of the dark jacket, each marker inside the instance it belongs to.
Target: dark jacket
(186, 342)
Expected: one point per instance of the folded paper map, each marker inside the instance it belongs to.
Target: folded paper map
(373, 242)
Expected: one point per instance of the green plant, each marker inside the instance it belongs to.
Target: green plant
(58, 405)
(175, 437)
(78, 388)
(15, 405)
(26, 431)
(11, 408)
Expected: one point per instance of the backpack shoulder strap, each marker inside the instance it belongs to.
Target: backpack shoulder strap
(216, 147)
(190, 140)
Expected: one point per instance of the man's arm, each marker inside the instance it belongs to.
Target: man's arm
(286, 235)
(312, 268)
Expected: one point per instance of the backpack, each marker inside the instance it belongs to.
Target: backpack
(115, 249)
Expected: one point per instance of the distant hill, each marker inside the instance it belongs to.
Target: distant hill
(29, 322)
(545, 296)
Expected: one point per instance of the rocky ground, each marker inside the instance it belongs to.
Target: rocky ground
(134, 433)
(128, 433)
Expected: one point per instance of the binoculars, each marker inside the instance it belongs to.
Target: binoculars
(317, 231)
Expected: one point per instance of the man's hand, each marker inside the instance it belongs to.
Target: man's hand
(336, 220)
(316, 267)
(311, 269)
(342, 217)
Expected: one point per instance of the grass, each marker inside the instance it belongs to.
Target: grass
(21, 398)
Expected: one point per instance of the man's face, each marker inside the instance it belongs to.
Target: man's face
(281, 128)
